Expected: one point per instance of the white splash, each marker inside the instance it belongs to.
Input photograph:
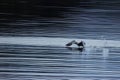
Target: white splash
(105, 52)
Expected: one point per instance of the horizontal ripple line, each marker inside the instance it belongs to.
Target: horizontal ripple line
(60, 42)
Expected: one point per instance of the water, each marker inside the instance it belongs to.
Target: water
(31, 62)
(33, 35)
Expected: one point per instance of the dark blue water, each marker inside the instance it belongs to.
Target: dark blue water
(88, 19)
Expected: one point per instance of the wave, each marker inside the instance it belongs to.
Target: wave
(60, 42)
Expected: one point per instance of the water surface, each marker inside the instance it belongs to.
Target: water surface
(73, 19)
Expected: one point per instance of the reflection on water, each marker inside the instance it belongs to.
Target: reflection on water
(76, 49)
(87, 19)
(31, 62)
